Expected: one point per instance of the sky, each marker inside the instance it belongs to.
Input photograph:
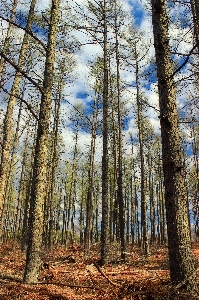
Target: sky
(89, 52)
(80, 89)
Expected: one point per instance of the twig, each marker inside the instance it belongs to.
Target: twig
(24, 101)
(10, 277)
(70, 285)
(21, 71)
(104, 275)
(186, 60)
(28, 31)
(19, 280)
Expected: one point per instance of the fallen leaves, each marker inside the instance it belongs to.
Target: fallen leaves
(66, 274)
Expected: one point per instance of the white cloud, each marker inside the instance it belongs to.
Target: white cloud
(88, 54)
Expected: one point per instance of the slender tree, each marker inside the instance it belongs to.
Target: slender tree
(7, 39)
(142, 163)
(195, 13)
(39, 169)
(89, 202)
(104, 227)
(8, 122)
(120, 156)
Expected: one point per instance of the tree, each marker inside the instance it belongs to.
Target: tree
(7, 130)
(89, 200)
(140, 122)
(104, 227)
(39, 169)
(7, 39)
(179, 243)
(120, 156)
(195, 13)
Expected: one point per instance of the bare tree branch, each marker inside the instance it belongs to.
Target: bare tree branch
(186, 60)
(22, 100)
(28, 31)
(21, 71)
(81, 115)
(104, 275)
(181, 54)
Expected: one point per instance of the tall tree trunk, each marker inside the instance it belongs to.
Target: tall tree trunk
(113, 220)
(104, 225)
(144, 226)
(195, 13)
(179, 243)
(21, 189)
(39, 170)
(81, 222)
(28, 185)
(7, 39)
(89, 202)
(72, 184)
(8, 122)
(120, 162)
(151, 200)
(52, 166)
(15, 142)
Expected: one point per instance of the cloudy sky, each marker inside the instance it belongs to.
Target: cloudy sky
(80, 89)
(89, 53)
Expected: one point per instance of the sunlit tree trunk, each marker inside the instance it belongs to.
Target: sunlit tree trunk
(114, 219)
(120, 158)
(33, 259)
(89, 202)
(7, 39)
(27, 192)
(81, 221)
(72, 185)
(104, 226)
(151, 199)
(195, 13)
(179, 244)
(15, 141)
(8, 122)
(53, 161)
(21, 189)
(144, 226)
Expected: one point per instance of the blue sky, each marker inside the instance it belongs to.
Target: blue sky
(81, 91)
(138, 13)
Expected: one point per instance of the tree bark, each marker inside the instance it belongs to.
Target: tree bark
(195, 13)
(7, 39)
(39, 169)
(8, 122)
(144, 227)
(89, 200)
(179, 244)
(104, 225)
(120, 158)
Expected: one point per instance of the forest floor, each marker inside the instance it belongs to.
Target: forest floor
(67, 275)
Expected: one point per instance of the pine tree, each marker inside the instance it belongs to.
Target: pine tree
(7, 132)
(39, 169)
(179, 244)
(104, 229)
